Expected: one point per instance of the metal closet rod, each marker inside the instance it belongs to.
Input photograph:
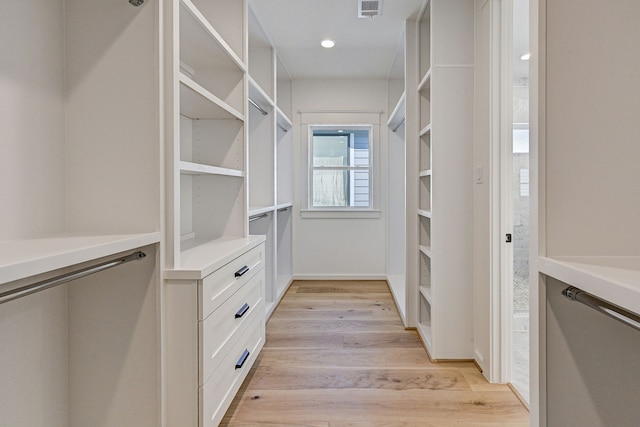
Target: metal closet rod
(64, 278)
(257, 217)
(604, 307)
(262, 110)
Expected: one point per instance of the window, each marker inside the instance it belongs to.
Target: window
(340, 167)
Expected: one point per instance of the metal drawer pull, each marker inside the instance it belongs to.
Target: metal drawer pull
(243, 310)
(242, 271)
(242, 359)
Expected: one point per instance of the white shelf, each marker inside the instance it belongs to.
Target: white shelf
(425, 82)
(201, 46)
(259, 210)
(425, 130)
(613, 279)
(425, 250)
(189, 168)
(398, 114)
(259, 96)
(426, 293)
(20, 259)
(425, 173)
(205, 256)
(424, 213)
(284, 122)
(196, 102)
(285, 205)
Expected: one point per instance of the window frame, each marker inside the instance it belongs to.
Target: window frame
(311, 167)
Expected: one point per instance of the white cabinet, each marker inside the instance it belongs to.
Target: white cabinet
(441, 259)
(215, 330)
(270, 160)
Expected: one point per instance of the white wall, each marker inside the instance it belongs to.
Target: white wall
(332, 247)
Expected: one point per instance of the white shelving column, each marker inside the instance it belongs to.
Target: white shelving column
(270, 157)
(445, 184)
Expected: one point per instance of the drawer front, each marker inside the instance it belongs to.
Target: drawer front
(217, 287)
(220, 330)
(218, 393)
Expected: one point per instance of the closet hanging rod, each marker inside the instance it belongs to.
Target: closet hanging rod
(283, 209)
(604, 307)
(257, 217)
(262, 110)
(64, 278)
(398, 125)
(283, 129)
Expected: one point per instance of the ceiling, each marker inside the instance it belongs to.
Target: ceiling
(365, 47)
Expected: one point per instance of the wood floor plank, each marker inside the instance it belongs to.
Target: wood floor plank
(296, 326)
(375, 405)
(337, 355)
(304, 378)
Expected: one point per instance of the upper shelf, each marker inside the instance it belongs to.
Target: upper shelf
(284, 122)
(614, 279)
(20, 259)
(398, 114)
(201, 46)
(198, 103)
(259, 96)
(425, 83)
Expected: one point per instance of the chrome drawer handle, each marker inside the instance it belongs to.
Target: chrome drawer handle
(242, 359)
(243, 310)
(243, 270)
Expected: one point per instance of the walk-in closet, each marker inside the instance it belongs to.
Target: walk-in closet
(285, 212)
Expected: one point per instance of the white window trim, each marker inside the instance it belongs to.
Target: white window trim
(373, 210)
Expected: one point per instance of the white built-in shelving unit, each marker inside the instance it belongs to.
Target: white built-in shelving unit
(80, 186)
(440, 256)
(270, 160)
(396, 199)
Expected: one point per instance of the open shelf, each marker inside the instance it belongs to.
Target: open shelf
(190, 168)
(424, 213)
(425, 82)
(425, 291)
(284, 122)
(611, 278)
(259, 96)
(426, 250)
(425, 130)
(196, 102)
(398, 114)
(201, 46)
(20, 259)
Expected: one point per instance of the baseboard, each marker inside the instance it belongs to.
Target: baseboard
(339, 277)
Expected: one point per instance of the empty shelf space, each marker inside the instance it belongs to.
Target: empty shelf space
(425, 82)
(424, 213)
(198, 103)
(201, 46)
(20, 259)
(189, 168)
(425, 250)
(425, 291)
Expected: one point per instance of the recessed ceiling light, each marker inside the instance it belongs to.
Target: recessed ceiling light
(327, 43)
(526, 57)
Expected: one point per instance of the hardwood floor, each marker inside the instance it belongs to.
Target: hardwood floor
(337, 355)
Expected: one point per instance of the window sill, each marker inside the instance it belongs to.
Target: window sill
(341, 213)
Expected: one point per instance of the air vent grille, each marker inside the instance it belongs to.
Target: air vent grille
(369, 8)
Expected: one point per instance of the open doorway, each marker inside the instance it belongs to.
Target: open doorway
(518, 199)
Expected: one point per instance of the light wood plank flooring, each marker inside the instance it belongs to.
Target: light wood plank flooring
(337, 355)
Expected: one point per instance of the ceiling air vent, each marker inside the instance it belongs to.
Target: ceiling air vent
(369, 8)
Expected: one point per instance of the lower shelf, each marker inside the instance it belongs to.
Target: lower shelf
(425, 334)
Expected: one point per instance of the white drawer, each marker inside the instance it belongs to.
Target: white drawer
(217, 287)
(224, 326)
(219, 391)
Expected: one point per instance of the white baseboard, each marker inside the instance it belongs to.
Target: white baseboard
(340, 277)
